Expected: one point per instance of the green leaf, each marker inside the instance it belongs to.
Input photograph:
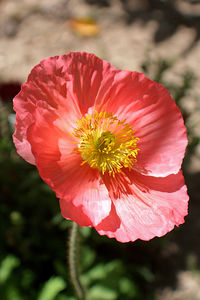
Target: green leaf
(88, 257)
(52, 288)
(65, 297)
(9, 263)
(13, 293)
(96, 273)
(128, 288)
(100, 292)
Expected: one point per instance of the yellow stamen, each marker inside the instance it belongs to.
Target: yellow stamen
(105, 142)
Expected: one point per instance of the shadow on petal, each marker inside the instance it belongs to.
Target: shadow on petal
(110, 223)
(168, 184)
(75, 213)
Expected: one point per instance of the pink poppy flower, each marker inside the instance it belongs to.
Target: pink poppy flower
(109, 142)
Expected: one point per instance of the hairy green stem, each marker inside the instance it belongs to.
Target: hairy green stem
(73, 262)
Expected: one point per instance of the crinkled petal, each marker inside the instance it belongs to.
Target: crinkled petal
(87, 75)
(20, 138)
(48, 86)
(68, 84)
(71, 212)
(155, 118)
(153, 208)
(92, 199)
(60, 166)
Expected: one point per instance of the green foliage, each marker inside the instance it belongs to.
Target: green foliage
(100, 292)
(9, 263)
(52, 288)
(115, 284)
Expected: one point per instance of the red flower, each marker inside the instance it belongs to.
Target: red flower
(110, 143)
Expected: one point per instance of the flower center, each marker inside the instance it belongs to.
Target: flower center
(105, 142)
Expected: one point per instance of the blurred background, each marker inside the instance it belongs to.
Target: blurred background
(160, 38)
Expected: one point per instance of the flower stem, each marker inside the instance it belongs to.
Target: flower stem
(73, 262)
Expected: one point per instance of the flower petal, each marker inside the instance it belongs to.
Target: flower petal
(155, 118)
(68, 84)
(92, 198)
(47, 87)
(20, 138)
(155, 206)
(60, 166)
(71, 212)
(87, 73)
